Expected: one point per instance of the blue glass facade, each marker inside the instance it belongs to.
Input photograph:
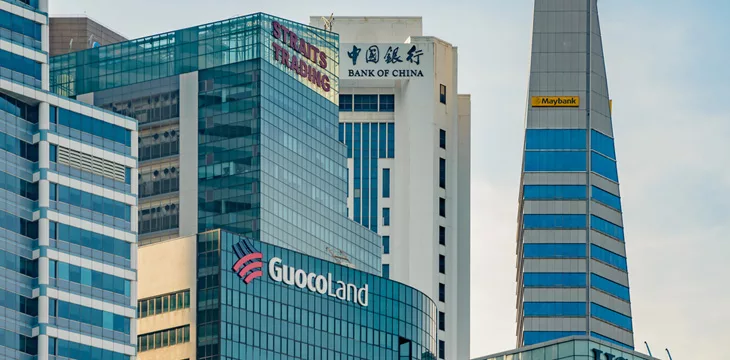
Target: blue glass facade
(269, 163)
(270, 319)
(64, 288)
(570, 234)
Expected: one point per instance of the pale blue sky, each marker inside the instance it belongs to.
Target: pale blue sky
(669, 79)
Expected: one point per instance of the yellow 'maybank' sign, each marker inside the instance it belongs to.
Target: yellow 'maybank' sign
(555, 101)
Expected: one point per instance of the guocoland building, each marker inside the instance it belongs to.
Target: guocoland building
(319, 310)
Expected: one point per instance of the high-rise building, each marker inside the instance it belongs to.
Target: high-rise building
(238, 126)
(74, 33)
(407, 132)
(572, 268)
(68, 223)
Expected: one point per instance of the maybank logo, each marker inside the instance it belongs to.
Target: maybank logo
(555, 101)
(250, 262)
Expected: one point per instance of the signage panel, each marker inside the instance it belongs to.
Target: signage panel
(299, 56)
(555, 101)
(384, 61)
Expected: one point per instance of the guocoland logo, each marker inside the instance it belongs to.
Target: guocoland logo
(250, 262)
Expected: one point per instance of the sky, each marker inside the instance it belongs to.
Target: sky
(669, 80)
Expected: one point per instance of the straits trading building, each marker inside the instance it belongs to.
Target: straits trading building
(238, 132)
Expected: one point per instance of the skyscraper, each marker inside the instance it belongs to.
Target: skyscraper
(407, 131)
(572, 269)
(68, 225)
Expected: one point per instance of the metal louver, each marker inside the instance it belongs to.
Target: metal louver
(91, 164)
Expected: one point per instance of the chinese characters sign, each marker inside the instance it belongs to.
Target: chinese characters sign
(384, 61)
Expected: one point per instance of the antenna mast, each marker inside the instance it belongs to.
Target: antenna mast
(670, 355)
(647, 348)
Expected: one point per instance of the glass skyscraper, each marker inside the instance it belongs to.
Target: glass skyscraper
(572, 268)
(68, 226)
(238, 131)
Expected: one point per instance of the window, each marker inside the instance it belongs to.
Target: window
(163, 338)
(534, 337)
(602, 144)
(442, 292)
(53, 152)
(386, 271)
(554, 192)
(442, 94)
(387, 103)
(442, 207)
(554, 251)
(366, 103)
(386, 183)
(386, 216)
(386, 244)
(555, 161)
(554, 309)
(442, 264)
(442, 235)
(554, 221)
(604, 166)
(51, 346)
(599, 336)
(442, 173)
(607, 228)
(442, 345)
(608, 257)
(52, 190)
(345, 102)
(555, 139)
(442, 320)
(442, 138)
(554, 280)
(606, 198)
(610, 287)
(610, 316)
(52, 229)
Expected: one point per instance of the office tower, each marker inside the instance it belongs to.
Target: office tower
(572, 270)
(238, 131)
(74, 33)
(407, 132)
(68, 225)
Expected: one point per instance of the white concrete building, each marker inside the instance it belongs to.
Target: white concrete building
(408, 136)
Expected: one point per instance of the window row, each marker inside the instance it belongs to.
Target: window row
(87, 315)
(19, 186)
(367, 103)
(554, 280)
(606, 198)
(89, 239)
(604, 166)
(534, 337)
(73, 350)
(163, 338)
(606, 338)
(555, 161)
(20, 30)
(93, 202)
(148, 109)
(91, 126)
(608, 257)
(610, 316)
(164, 303)
(554, 192)
(20, 342)
(552, 251)
(19, 303)
(554, 221)
(19, 147)
(88, 277)
(610, 287)
(555, 139)
(20, 64)
(607, 228)
(19, 225)
(19, 108)
(554, 309)
(603, 144)
(19, 264)
(368, 140)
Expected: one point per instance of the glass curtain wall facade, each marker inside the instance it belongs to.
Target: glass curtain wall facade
(270, 319)
(573, 348)
(572, 268)
(68, 227)
(269, 164)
